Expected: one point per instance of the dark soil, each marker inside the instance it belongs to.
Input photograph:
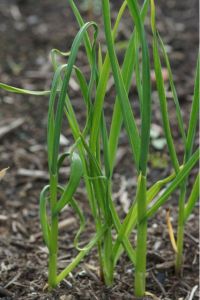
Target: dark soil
(28, 31)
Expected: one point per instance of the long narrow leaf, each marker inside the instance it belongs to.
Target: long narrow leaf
(146, 87)
(175, 183)
(43, 215)
(175, 97)
(61, 101)
(75, 176)
(16, 90)
(127, 72)
(194, 196)
(128, 117)
(193, 121)
(101, 88)
(161, 92)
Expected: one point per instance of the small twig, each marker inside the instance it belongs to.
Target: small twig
(165, 265)
(66, 222)
(46, 286)
(39, 174)
(21, 244)
(12, 280)
(20, 284)
(90, 273)
(159, 284)
(152, 296)
(3, 218)
(10, 127)
(193, 291)
(192, 238)
(155, 256)
(33, 173)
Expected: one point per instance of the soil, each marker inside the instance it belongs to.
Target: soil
(28, 31)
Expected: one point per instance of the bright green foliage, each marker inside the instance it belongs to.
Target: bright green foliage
(187, 136)
(93, 153)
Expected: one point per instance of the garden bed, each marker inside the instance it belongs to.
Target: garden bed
(28, 32)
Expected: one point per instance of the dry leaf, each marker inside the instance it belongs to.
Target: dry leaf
(152, 296)
(3, 173)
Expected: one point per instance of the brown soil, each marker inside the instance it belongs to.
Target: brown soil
(27, 32)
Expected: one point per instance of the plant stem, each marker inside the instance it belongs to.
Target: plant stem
(140, 267)
(180, 233)
(108, 262)
(90, 190)
(53, 243)
(81, 254)
(193, 121)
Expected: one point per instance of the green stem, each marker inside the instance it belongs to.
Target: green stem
(53, 242)
(80, 256)
(188, 151)
(194, 196)
(180, 232)
(141, 248)
(108, 262)
(90, 191)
